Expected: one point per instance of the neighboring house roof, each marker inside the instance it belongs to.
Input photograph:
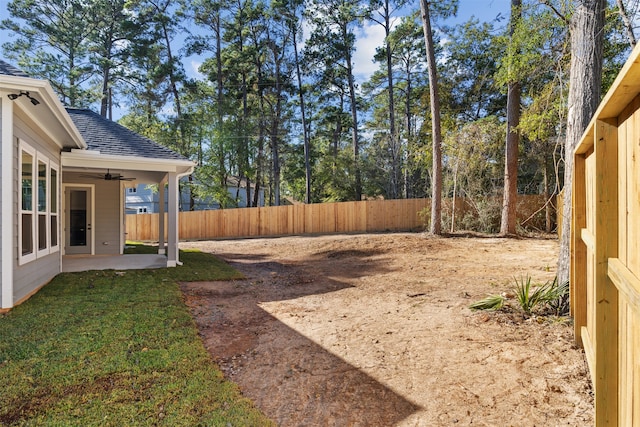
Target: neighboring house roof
(234, 181)
(111, 138)
(9, 70)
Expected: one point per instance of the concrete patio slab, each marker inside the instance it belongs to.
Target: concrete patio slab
(72, 263)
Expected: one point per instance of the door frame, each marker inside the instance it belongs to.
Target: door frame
(91, 203)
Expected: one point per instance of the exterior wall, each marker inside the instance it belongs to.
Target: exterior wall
(107, 228)
(241, 195)
(146, 198)
(1, 201)
(31, 276)
(140, 201)
(6, 286)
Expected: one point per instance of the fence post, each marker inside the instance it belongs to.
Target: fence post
(606, 293)
(578, 280)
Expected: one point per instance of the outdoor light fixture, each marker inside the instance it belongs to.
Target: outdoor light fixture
(13, 97)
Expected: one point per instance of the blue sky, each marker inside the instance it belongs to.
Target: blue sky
(370, 35)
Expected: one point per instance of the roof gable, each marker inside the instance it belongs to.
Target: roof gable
(41, 106)
(111, 138)
(9, 70)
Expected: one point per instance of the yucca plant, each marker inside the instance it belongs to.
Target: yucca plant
(529, 298)
(559, 300)
(550, 296)
(492, 302)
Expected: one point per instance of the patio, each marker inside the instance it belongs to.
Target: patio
(73, 263)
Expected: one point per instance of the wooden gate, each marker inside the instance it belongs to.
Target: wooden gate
(606, 249)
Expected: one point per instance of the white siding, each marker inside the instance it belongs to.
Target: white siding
(6, 225)
(107, 227)
(35, 274)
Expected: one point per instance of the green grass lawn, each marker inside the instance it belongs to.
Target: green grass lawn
(109, 348)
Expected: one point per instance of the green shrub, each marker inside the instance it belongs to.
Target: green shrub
(549, 298)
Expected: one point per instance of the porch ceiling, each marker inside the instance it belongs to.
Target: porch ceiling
(133, 176)
(144, 170)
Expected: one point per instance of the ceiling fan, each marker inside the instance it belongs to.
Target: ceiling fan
(112, 177)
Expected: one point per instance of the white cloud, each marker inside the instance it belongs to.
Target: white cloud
(195, 66)
(368, 37)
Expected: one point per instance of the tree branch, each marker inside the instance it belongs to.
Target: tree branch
(555, 10)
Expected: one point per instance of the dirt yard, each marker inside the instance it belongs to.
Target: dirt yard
(375, 330)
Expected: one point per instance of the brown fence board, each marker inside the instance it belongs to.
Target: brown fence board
(320, 218)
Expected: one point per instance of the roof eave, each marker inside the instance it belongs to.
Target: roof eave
(67, 135)
(93, 159)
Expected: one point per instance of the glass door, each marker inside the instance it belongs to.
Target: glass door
(78, 221)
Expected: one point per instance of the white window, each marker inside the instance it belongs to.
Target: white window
(26, 224)
(142, 210)
(38, 225)
(43, 206)
(53, 206)
(132, 190)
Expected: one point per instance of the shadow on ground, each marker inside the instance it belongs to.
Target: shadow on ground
(291, 379)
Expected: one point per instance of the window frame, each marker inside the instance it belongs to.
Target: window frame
(54, 215)
(24, 258)
(41, 205)
(44, 213)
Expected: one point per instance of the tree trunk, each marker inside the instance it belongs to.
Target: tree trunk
(510, 192)
(628, 25)
(192, 199)
(221, 154)
(275, 127)
(547, 208)
(173, 84)
(436, 180)
(585, 80)
(410, 156)
(104, 101)
(455, 191)
(354, 118)
(393, 135)
(305, 130)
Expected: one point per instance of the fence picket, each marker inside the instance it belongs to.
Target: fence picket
(342, 217)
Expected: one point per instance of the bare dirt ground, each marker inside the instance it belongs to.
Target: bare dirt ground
(375, 330)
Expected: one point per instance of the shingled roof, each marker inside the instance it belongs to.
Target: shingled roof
(9, 70)
(111, 138)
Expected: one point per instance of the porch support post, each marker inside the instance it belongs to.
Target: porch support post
(6, 202)
(161, 215)
(172, 226)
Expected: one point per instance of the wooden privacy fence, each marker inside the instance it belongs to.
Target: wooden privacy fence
(605, 252)
(321, 218)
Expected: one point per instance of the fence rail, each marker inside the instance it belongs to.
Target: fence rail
(605, 250)
(321, 218)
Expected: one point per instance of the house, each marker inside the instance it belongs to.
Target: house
(62, 182)
(141, 198)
